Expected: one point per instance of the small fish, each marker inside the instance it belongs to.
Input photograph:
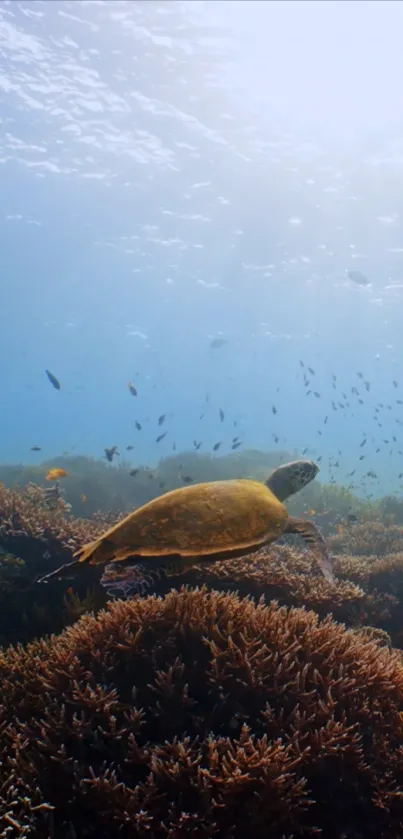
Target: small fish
(161, 437)
(358, 278)
(161, 419)
(311, 512)
(129, 448)
(222, 415)
(110, 453)
(236, 445)
(352, 517)
(55, 382)
(186, 479)
(132, 389)
(35, 449)
(274, 409)
(83, 498)
(312, 372)
(55, 474)
(395, 384)
(138, 426)
(217, 343)
(133, 472)
(216, 446)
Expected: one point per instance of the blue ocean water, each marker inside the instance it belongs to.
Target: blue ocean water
(174, 173)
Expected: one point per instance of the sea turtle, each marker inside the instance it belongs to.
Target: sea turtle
(207, 522)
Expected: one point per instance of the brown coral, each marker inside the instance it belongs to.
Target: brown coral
(31, 528)
(368, 538)
(26, 511)
(202, 715)
(285, 574)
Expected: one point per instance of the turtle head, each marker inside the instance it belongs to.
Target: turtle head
(291, 477)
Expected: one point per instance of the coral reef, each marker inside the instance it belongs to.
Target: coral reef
(366, 590)
(201, 715)
(198, 713)
(26, 516)
(372, 537)
(289, 576)
(36, 537)
(33, 536)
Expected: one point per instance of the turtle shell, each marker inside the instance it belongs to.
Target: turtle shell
(208, 519)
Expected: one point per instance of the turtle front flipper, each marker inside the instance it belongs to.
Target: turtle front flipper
(312, 535)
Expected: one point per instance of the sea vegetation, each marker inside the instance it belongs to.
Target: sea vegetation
(250, 696)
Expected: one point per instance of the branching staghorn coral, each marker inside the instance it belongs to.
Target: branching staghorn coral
(285, 574)
(366, 590)
(368, 538)
(26, 511)
(202, 715)
(29, 526)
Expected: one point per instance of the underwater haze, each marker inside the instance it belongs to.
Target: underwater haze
(204, 201)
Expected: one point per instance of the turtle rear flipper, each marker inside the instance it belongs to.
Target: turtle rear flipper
(94, 553)
(64, 571)
(312, 535)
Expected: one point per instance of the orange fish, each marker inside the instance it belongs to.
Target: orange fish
(69, 591)
(340, 529)
(83, 498)
(311, 512)
(54, 474)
